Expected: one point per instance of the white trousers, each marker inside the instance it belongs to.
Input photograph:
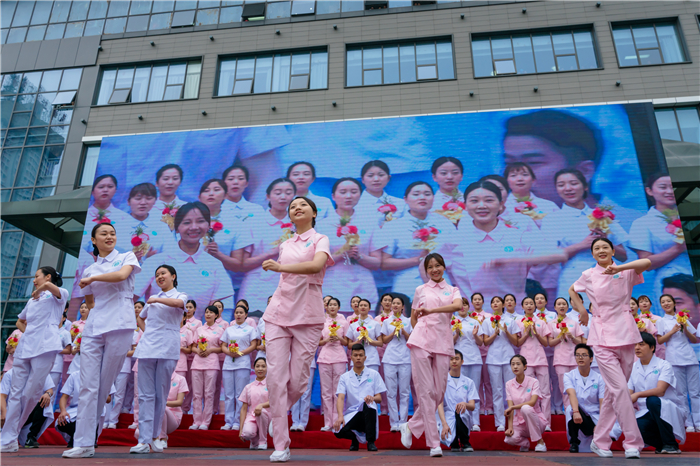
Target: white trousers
(473, 371)
(499, 375)
(234, 383)
(154, 385)
(300, 409)
(688, 378)
(398, 380)
(101, 359)
(118, 398)
(56, 377)
(28, 379)
(557, 397)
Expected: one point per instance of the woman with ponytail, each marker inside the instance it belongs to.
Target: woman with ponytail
(36, 352)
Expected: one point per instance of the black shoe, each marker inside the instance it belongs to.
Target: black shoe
(468, 448)
(31, 443)
(573, 449)
(371, 447)
(670, 450)
(355, 445)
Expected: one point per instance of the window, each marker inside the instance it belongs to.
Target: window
(37, 109)
(534, 52)
(679, 123)
(149, 83)
(648, 43)
(403, 62)
(90, 157)
(273, 72)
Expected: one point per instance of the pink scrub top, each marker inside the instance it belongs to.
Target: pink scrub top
(186, 339)
(298, 299)
(532, 349)
(564, 351)
(253, 394)
(213, 335)
(433, 332)
(521, 393)
(333, 351)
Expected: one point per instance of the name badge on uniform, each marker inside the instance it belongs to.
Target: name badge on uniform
(308, 244)
(617, 275)
(528, 390)
(116, 263)
(446, 293)
(509, 249)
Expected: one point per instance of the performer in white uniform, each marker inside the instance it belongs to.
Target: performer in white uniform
(586, 389)
(457, 408)
(397, 362)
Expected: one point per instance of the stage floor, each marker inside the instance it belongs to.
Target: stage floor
(112, 456)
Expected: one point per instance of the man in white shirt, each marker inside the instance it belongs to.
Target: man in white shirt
(363, 388)
(586, 390)
(455, 411)
(39, 419)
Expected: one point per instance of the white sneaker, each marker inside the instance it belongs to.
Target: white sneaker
(192, 427)
(226, 427)
(252, 447)
(111, 426)
(236, 427)
(541, 448)
(299, 429)
(10, 447)
(406, 435)
(394, 429)
(203, 427)
(524, 449)
(157, 446)
(164, 443)
(79, 452)
(690, 429)
(632, 453)
(325, 429)
(293, 428)
(269, 429)
(435, 452)
(600, 452)
(559, 411)
(262, 446)
(140, 448)
(501, 429)
(548, 429)
(134, 426)
(281, 456)
(476, 428)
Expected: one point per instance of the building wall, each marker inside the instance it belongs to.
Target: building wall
(652, 82)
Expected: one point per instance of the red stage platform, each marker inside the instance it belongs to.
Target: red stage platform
(313, 438)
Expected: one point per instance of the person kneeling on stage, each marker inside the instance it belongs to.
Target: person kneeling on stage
(40, 417)
(255, 411)
(455, 411)
(660, 418)
(586, 390)
(526, 421)
(363, 388)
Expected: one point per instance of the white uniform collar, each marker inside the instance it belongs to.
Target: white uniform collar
(109, 258)
(585, 211)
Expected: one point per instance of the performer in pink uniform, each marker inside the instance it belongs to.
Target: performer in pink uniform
(294, 317)
(612, 336)
(431, 348)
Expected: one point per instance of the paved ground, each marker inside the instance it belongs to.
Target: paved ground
(111, 456)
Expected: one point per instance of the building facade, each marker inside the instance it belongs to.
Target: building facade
(75, 72)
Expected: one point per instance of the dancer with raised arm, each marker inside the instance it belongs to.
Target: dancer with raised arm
(613, 336)
(294, 318)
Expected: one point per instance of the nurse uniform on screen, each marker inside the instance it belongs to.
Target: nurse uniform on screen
(236, 178)
(521, 200)
(102, 210)
(270, 230)
(487, 256)
(374, 201)
(403, 243)
(350, 234)
(168, 180)
(200, 273)
(448, 173)
(303, 174)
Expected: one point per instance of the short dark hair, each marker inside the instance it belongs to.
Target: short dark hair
(358, 347)
(259, 359)
(311, 203)
(477, 293)
(681, 281)
(102, 177)
(543, 294)
(274, 183)
(206, 184)
(459, 353)
(579, 176)
(521, 357)
(511, 167)
(485, 184)
(375, 163)
(185, 209)
(440, 161)
(501, 180)
(192, 302)
(213, 309)
(55, 277)
(244, 302)
(365, 300)
(605, 240)
(145, 189)
(169, 166)
(343, 180)
(576, 137)
(431, 256)
(143, 304)
(525, 299)
(245, 309)
(414, 184)
(586, 347)
(170, 269)
(96, 251)
(649, 340)
(333, 298)
(309, 164)
(233, 167)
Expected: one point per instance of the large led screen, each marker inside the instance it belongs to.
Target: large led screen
(213, 203)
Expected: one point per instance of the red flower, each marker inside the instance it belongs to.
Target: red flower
(609, 214)
(637, 320)
(166, 211)
(598, 213)
(453, 205)
(385, 208)
(562, 325)
(384, 318)
(434, 230)
(136, 241)
(676, 223)
(217, 226)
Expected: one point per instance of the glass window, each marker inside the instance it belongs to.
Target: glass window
(7, 10)
(140, 86)
(352, 5)
(231, 15)
(115, 26)
(207, 17)
(42, 12)
(98, 10)
(394, 63)
(55, 31)
(183, 18)
(74, 29)
(194, 71)
(89, 165)
(140, 7)
(118, 8)
(30, 83)
(43, 109)
(528, 53)
(273, 73)
(106, 86)
(209, 3)
(326, 7)
(278, 10)
(28, 166)
(185, 5)
(303, 7)
(59, 14)
(161, 6)
(64, 98)
(679, 124)
(137, 24)
(51, 161)
(94, 28)
(36, 33)
(157, 86)
(79, 11)
(648, 44)
(16, 35)
(36, 136)
(161, 21)
(23, 13)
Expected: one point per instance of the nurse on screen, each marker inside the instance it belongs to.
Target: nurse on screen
(303, 174)
(168, 180)
(375, 201)
(200, 273)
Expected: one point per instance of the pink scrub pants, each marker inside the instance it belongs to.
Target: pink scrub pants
(255, 428)
(429, 371)
(290, 351)
(330, 377)
(204, 386)
(530, 431)
(541, 373)
(561, 370)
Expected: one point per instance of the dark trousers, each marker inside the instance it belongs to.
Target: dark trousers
(364, 421)
(35, 421)
(586, 427)
(462, 434)
(69, 429)
(655, 431)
